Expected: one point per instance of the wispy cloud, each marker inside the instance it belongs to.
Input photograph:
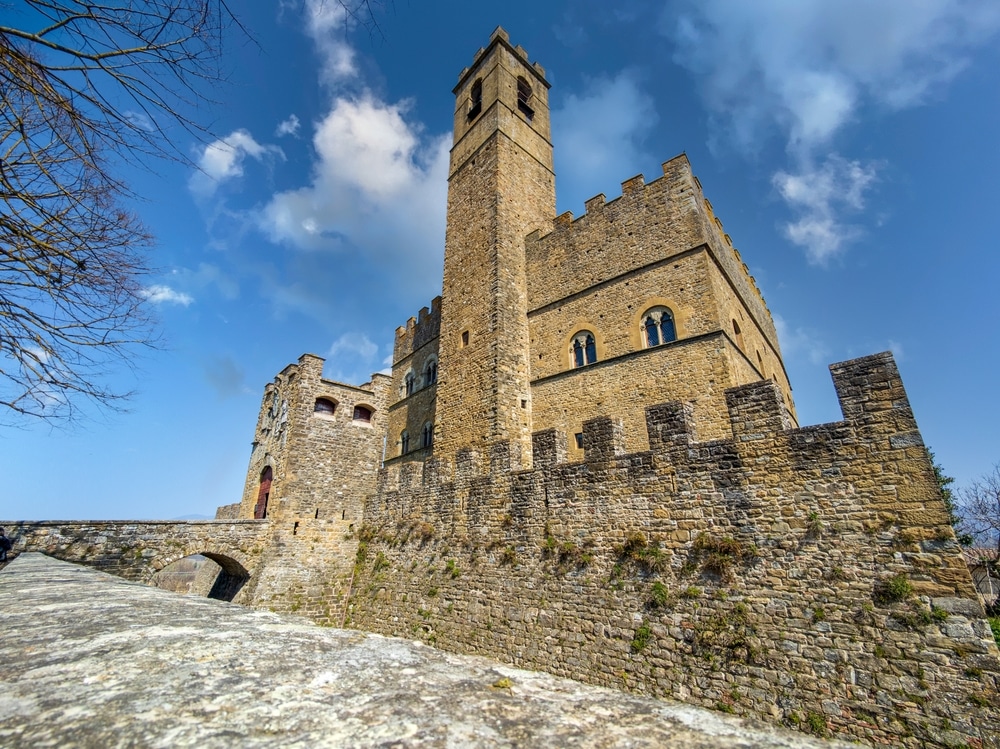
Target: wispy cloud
(800, 343)
(353, 357)
(801, 71)
(162, 294)
(222, 160)
(374, 196)
(288, 127)
(327, 23)
(821, 195)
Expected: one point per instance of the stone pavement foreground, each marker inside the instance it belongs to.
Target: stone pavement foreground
(90, 660)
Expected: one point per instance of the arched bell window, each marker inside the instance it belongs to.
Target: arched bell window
(476, 98)
(524, 97)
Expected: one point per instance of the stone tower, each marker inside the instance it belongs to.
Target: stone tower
(501, 188)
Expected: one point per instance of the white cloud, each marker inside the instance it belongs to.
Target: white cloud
(354, 345)
(806, 65)
(820, 195)
(377, 187)
(371, 211)
(327, 22)
(223, 159)
(162, 294)
(288, 127)
(600, 133)
(802, 70)
(897, 350)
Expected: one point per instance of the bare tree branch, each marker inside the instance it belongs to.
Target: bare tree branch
(86, 86)
(90, 86)
(979, 507)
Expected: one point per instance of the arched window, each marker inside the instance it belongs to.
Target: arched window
(476, 99)
(410, 382)
(363, 414)
(427, 438)
(431, 372)
(583, 349)
(404, 443)
(524, 97)
(658, 327)
(738, 333)
(324, 407)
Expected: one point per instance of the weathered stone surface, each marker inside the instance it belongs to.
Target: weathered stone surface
(91, 660)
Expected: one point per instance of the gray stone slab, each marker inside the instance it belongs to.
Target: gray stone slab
(90, 660)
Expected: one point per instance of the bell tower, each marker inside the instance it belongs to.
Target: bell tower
(501, 187)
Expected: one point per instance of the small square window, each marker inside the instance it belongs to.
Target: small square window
(579, 440)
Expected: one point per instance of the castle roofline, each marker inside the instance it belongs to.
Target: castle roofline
(501, 37)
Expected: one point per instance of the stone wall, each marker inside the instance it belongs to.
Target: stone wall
(416, 347)
(695, 370)
(808, 576)
(657, 244)
(137, 550)
(322, 463)
(307, 569)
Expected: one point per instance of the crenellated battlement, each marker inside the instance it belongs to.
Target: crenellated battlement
(871, 396)
(500, 36)
(663, 204)
(755, 566)
(418, 330)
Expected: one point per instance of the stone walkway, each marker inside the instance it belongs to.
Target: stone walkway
(90, 660)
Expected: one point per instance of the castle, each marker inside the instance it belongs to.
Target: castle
(586, 460)
(544, 321)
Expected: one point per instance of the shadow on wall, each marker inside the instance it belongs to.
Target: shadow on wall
(209, 576)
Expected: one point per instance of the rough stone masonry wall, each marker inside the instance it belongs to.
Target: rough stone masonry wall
(137, 550)
(693, 370)
(808, 576)
(656, 240)
(307, 569)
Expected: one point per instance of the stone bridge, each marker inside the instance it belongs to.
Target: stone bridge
(137, 550)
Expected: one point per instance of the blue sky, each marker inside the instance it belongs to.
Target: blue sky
(850, 149)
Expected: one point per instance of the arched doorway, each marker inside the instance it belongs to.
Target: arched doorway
(260, 509)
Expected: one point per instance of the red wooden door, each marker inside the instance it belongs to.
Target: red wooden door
(260, 510)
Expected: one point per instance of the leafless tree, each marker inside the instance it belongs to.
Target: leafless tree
(979, 508)
(85, 87)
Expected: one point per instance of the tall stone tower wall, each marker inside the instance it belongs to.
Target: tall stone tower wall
(501, 187)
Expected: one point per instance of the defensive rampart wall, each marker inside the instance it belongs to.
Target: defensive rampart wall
(808, 576)
(136, 550)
